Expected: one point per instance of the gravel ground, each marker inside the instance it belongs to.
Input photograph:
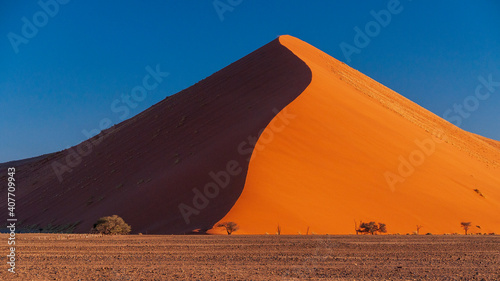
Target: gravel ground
(262, 257)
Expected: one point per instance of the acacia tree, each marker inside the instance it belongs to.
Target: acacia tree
(112, 225)
(368, 227)
(229, 226)
(465, 226)
(371, 227)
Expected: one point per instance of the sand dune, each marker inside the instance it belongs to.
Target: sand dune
(285, 136)
(144, 168)
(329, 166)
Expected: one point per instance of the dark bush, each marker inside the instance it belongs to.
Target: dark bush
(112, 225)
(371, 227)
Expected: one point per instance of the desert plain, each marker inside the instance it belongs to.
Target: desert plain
(255, 257)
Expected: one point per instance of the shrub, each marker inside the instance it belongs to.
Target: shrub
(382, 228)
(371, 227)
(112, 225)
(478, 192)
(229, 226)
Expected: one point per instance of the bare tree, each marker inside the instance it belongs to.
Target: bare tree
(465, 226)
(229, 226)
(278, 230)
(418, 228)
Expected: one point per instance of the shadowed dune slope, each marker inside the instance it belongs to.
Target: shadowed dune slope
(144, 168)
(356, 150)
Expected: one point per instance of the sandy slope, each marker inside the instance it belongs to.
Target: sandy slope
(328, 167)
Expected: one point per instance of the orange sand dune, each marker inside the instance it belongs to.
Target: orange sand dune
(285, 136)
(328, 167)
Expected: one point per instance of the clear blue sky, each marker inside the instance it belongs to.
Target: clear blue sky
(87, 54)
